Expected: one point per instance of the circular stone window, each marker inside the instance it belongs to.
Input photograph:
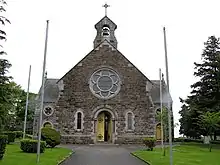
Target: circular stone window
(104, 83)
(48, 111)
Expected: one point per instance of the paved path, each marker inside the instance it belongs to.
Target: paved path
(103, 155)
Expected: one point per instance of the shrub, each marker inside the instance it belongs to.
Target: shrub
(11, 136)
(19, 134)
(3, 142)
(179, 139)
(215, 141)
(51, 136)
(30, 146)
(149, 143)
(27, 136)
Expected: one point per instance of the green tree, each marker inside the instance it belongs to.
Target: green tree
(4, 66)
(205, 93)
(164, 117)
(210, 122)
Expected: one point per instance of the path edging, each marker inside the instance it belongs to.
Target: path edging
(140, 158)
(66, 157)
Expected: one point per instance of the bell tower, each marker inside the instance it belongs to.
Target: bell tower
(105, 30)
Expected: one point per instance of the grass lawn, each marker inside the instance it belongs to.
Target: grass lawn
(14, 156)
(185, 154)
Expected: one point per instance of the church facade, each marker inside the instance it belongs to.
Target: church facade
(103, 98)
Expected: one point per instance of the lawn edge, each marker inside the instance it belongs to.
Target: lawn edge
(66, 157)
(140, 158)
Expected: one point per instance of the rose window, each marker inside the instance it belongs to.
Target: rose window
(48, 111)
(105, 83)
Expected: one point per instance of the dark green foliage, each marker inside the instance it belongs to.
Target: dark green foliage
(19, 134)
(30, 146)
(4, 77)
(11, 136)
(27, 136)
(3, 142)
(205, 93)
(181, 139)
(51, 136)
(215, 141)
(149, 143)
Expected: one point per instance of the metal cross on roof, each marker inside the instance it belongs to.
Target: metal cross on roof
(106, 6)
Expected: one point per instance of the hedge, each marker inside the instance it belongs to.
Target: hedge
(27, 136)
(3, 142)
(11, 136)
(181, 139)
(19, 134)
(51, 136)
(149, 143)
(30, 146)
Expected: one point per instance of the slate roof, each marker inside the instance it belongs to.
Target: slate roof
(155, 92)
(51, 91)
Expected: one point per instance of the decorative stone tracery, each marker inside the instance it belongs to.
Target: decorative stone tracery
(104, 83)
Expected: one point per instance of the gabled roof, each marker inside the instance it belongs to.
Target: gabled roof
(103, 42)
(105, 17)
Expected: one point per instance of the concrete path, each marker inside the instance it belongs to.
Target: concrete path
(103, 155)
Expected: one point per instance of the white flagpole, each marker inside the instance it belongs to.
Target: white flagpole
(168, 99)
(42, 94)
(161, 110)
(26, 108)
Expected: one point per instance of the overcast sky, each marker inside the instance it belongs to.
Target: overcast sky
(139, 34)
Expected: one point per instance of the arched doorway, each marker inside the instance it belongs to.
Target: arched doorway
(158, 131)
(104, 127)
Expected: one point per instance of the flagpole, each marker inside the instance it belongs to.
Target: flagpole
(42, 94)
(168, 99)
(161, 110)
(26, 107)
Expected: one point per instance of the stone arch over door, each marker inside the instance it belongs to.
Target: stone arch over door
(113, 117)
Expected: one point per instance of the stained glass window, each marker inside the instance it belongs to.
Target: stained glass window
(105, 83)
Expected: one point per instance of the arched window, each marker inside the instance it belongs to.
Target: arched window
(79, 120)
(129, 121)
(158, 111)
(48, 124)
(105, 31)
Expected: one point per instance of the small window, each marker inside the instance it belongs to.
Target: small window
(48, 111)
(105, 31)
(158, 111)
(130, 122)
(47, 124)
(79, 120)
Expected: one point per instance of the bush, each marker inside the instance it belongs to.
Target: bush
(30, 146)
(3, 142)
(27, 136)
(215, 141)
(51, 136)
(19, 134)
(182, 139)
(11, 136)
(149, 143)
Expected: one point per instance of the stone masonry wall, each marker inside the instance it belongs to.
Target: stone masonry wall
(77, 95)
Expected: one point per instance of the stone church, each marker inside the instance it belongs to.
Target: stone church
(103, 98)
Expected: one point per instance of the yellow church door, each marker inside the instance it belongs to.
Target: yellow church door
(104, 127)
(158, 132)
